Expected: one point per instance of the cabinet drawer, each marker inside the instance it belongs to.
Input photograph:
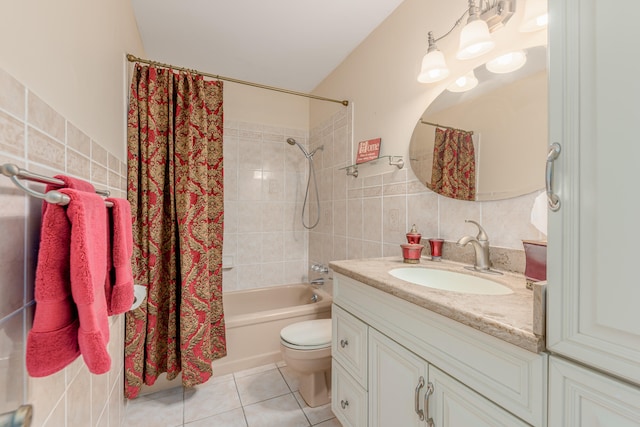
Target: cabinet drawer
(348, 398)
(349, 346)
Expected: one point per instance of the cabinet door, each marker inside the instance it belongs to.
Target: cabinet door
(395, 395)
(455, 405)
(594, 105)
(580, 397)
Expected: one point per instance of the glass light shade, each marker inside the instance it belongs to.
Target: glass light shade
(475, 40)
(535, 16)
(434, 68)
(507, 63)
(464, 83)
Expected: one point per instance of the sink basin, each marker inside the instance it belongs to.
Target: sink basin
(450, 281)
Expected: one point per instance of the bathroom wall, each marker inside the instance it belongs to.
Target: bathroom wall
(62, 110)
(35, 136)
(372, 213)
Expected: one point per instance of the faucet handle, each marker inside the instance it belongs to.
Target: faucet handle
(482, 235)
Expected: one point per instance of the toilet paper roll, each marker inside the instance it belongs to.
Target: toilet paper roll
(139, 294)
(539, 213)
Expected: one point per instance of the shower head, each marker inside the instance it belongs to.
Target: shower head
(292, 141)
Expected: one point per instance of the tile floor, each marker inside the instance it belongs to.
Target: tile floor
(266, 396)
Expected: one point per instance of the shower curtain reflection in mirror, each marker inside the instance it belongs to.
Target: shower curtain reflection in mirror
(454, 167)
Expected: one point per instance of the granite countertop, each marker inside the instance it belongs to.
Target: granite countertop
(507, 317)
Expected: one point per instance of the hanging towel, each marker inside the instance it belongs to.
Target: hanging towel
(52, 342)
(87, 214)
(119, 286)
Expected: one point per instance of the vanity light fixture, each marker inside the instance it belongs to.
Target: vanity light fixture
(535, 16)
(475, 38)
(434, 68)
(464, 83)
(508, 62)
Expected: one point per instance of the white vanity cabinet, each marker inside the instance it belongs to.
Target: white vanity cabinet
(421, 366)
(593, 289)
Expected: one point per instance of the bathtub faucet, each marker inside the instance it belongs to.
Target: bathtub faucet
(320, 268)
(319, 281)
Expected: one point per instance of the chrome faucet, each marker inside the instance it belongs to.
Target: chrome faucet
(480, 245)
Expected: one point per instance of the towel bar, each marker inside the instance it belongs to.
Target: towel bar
(16, 173)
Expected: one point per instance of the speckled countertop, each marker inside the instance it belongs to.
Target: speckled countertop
(507, 317)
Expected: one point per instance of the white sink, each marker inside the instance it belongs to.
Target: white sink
(450, 281)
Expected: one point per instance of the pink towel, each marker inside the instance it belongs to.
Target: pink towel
(88, 269)
(119, 286)
(52, 342)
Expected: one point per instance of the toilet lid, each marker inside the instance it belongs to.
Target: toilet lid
(307, 334)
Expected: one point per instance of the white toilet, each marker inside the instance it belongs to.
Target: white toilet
(306, 348)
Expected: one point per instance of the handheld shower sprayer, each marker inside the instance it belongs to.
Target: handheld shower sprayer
(312, 173)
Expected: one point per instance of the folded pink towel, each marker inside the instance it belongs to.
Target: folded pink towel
(88, 270)
(52, 342)
(119, 286)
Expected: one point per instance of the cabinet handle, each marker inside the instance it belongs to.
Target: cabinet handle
(428, 394)
(344, 343)
(344, 404)
(552, 198)
(418, 388)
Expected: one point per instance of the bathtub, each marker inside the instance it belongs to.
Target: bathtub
(254, 318)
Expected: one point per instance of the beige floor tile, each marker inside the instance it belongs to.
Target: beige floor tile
(333, 422)
(263, 386)
(281, 411)
(233, 418)
(315, 415)
(206, 400)
(166, 411)
(290, 377)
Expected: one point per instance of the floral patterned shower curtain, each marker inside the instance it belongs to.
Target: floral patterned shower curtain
(175, 187)
(454, 166)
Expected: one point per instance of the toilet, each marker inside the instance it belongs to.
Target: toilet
(306, 348)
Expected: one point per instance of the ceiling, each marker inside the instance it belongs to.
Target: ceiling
(292, 44)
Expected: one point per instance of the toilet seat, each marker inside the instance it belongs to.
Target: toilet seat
(307, 335)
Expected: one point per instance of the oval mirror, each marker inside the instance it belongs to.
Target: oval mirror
(507, 115)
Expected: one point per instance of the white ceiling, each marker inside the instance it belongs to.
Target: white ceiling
(293, 44)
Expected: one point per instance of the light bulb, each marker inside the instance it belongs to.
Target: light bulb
(434, 67)
(464, 83)
(475, 40)
(507, 63)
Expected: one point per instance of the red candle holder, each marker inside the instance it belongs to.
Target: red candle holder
(436, 249)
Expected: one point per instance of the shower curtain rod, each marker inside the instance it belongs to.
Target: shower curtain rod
(424, 122)
(133, 58)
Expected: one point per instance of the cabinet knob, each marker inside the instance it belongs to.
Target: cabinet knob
(344, 343)
(344, 404)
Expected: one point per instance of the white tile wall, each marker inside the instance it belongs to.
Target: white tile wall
(265, 180)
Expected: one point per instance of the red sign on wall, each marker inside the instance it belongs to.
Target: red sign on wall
(368, 150)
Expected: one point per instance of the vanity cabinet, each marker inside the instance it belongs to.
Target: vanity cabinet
(421, 366)
(593, 288)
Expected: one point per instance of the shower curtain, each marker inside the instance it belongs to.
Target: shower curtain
(175, 187)
(454, 166)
